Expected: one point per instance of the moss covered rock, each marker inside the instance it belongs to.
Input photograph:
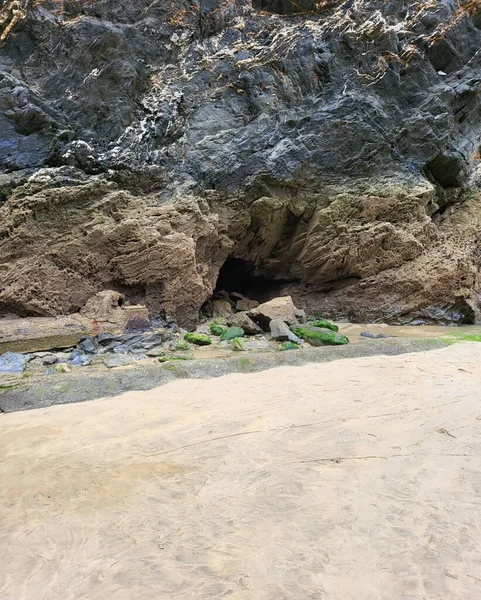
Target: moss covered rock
(319, 337)
(179, 346)
(175, 357)
(217, 329)
(232, 333)
(199, 339)
(324, 324)
(288, 346)
(238, 344)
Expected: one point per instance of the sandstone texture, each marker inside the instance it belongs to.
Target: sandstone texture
(165, 151)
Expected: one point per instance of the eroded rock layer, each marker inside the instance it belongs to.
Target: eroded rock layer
(329, 151)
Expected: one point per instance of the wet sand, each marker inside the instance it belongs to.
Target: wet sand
(353, 480)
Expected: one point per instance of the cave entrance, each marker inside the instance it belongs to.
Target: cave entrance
(238, 276)
(286, 7)
(293, 7)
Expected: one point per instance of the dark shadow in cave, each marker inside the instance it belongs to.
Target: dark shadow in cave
(237, 275)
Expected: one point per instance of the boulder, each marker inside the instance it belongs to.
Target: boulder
(279, 308)
(13, 362)
(198, 339)
(281, 332)
(243, 320)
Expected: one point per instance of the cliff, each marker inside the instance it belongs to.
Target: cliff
(329, 150)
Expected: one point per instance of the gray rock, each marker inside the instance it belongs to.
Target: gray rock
(243, 320)
(280, 331)
(88, 345)
(133, 342)
(159, 351)
(257, 345)
(50, 359)
(373, 336)
(79, 359)
(118, 360)
(13, 362)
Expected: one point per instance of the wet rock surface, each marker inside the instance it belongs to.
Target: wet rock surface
(13, 362)
(330, 147)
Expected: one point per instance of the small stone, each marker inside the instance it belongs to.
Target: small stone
(243, 320)
(50, 359)
(13, 362)
(281, 332)
(62, 368)
(238, 344)
(174, 357)
(118, 360)
(199, 339)
(373, 336)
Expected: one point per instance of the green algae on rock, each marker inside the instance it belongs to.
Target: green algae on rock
(217, 329)
(232, 333)
(199, 339)
(288, 346)
(320, 337)
(170, 357)
(324, 324)
(238, 344)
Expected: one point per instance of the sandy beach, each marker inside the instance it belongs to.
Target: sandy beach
(353, 480)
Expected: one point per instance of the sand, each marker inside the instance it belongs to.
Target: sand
(358, 479)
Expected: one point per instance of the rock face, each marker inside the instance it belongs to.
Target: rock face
(332, 148)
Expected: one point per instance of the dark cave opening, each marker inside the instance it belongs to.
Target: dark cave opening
(286, 7)
(238, 276)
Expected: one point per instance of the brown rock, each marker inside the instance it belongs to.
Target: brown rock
(243, 320)
(60, 246)
(221, 308)
(279, 308)
(246, 305)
